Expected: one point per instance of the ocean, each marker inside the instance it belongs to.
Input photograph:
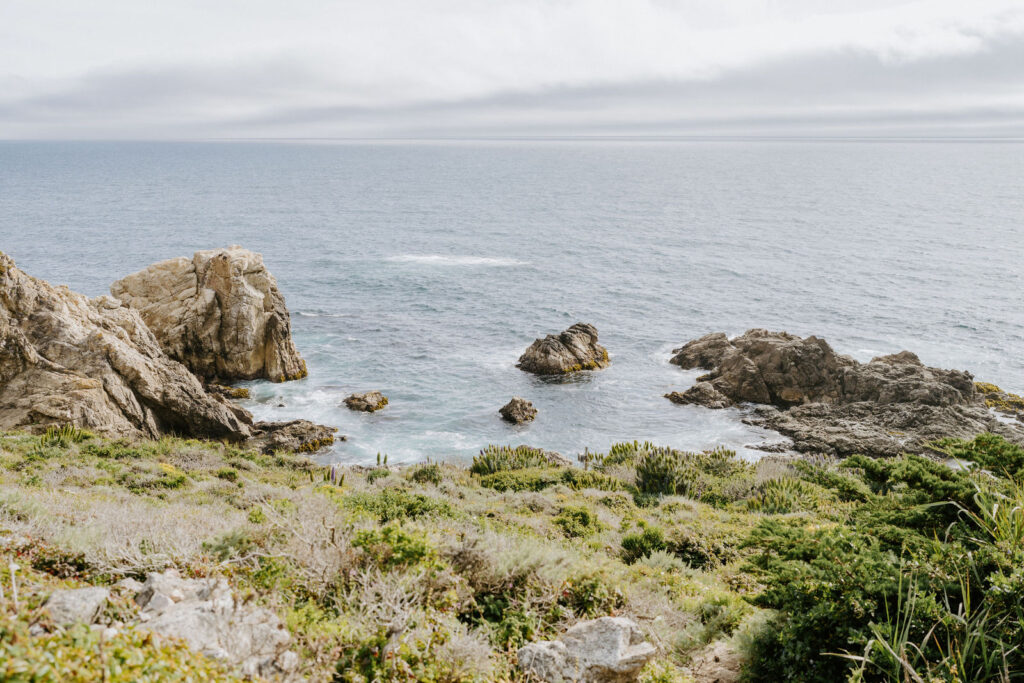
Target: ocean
(424, 269)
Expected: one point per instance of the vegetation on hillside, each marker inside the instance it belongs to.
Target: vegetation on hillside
(809, 570)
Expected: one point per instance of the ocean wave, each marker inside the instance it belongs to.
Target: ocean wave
(442, 260)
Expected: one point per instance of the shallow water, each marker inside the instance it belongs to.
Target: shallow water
(425, 269)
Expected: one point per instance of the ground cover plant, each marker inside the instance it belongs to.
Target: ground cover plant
(808, 569)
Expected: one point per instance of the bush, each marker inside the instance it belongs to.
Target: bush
(81, 655)
(391, 504)
(429, 473)
(377, 473)
(501, 458)
(715, 477)
(637, 546)
(922, 582)
(577, 521)
(392, 547)
(529, 479)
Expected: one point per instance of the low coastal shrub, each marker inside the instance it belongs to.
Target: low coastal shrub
(501, 458)
(393, 503)
(639, 545)
(429, 473)
(577, 521)
(716, 477)
(921, 581)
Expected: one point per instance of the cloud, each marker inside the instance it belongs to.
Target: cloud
(460, 67)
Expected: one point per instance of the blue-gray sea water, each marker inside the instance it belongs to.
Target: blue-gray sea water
(425, 269)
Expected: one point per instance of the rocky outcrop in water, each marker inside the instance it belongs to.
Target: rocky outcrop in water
(830, 403)
(518, 411)
(219, 312)
(574, 349)
(605, 650)
(367, 402)
(94, 363)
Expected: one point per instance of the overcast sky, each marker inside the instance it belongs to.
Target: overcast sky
(439, 68)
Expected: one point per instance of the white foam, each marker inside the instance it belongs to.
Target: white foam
(442, 260)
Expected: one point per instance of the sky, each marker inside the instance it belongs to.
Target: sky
(191, 69)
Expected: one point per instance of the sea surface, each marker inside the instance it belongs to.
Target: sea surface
(424, 269)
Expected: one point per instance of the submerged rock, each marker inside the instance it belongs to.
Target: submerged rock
(518, 411)
(605, 650)
(830, 403)
(574, 349)
(367, 402)
(219, 312)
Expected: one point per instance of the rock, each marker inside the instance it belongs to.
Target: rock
(574, 349)
(605, 650)
(704, 353)
(209, 620)
(518, 411)
(833, 404)
(219, 312)
(701, 394)
(368, 402)
(76, 605)
(94, 363)
(297, 436)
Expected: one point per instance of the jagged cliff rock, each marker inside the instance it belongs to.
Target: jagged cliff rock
(574, 349)
(219, 312)
(94, 363)
(831, 403)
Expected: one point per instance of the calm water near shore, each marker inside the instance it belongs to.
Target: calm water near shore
(424, 269)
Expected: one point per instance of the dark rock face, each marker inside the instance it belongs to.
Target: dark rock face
(367, 402)
(831, 403)
(518, 411)
(574, 349)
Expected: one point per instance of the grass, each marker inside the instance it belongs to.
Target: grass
(437, 572)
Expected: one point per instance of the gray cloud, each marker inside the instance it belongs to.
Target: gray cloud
(948, 75)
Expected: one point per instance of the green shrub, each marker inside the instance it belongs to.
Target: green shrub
(391, 547)
(591, 595)
(715, 477)
(64, 436)
(392, 503)
(501, 458)
(80, 655)
(636, 546)
(430, 473)
(529, 479)
(227, 474)
(782, 496)
(922, 582)
(577, 521)
(377, 473)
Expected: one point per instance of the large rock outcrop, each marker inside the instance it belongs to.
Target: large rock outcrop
(826, 402)
(605, 650)
(93, 362)
(574, 349)
(219, 312)
(67, 359)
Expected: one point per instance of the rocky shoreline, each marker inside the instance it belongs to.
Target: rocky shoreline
(153, 359)
(832, 404)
